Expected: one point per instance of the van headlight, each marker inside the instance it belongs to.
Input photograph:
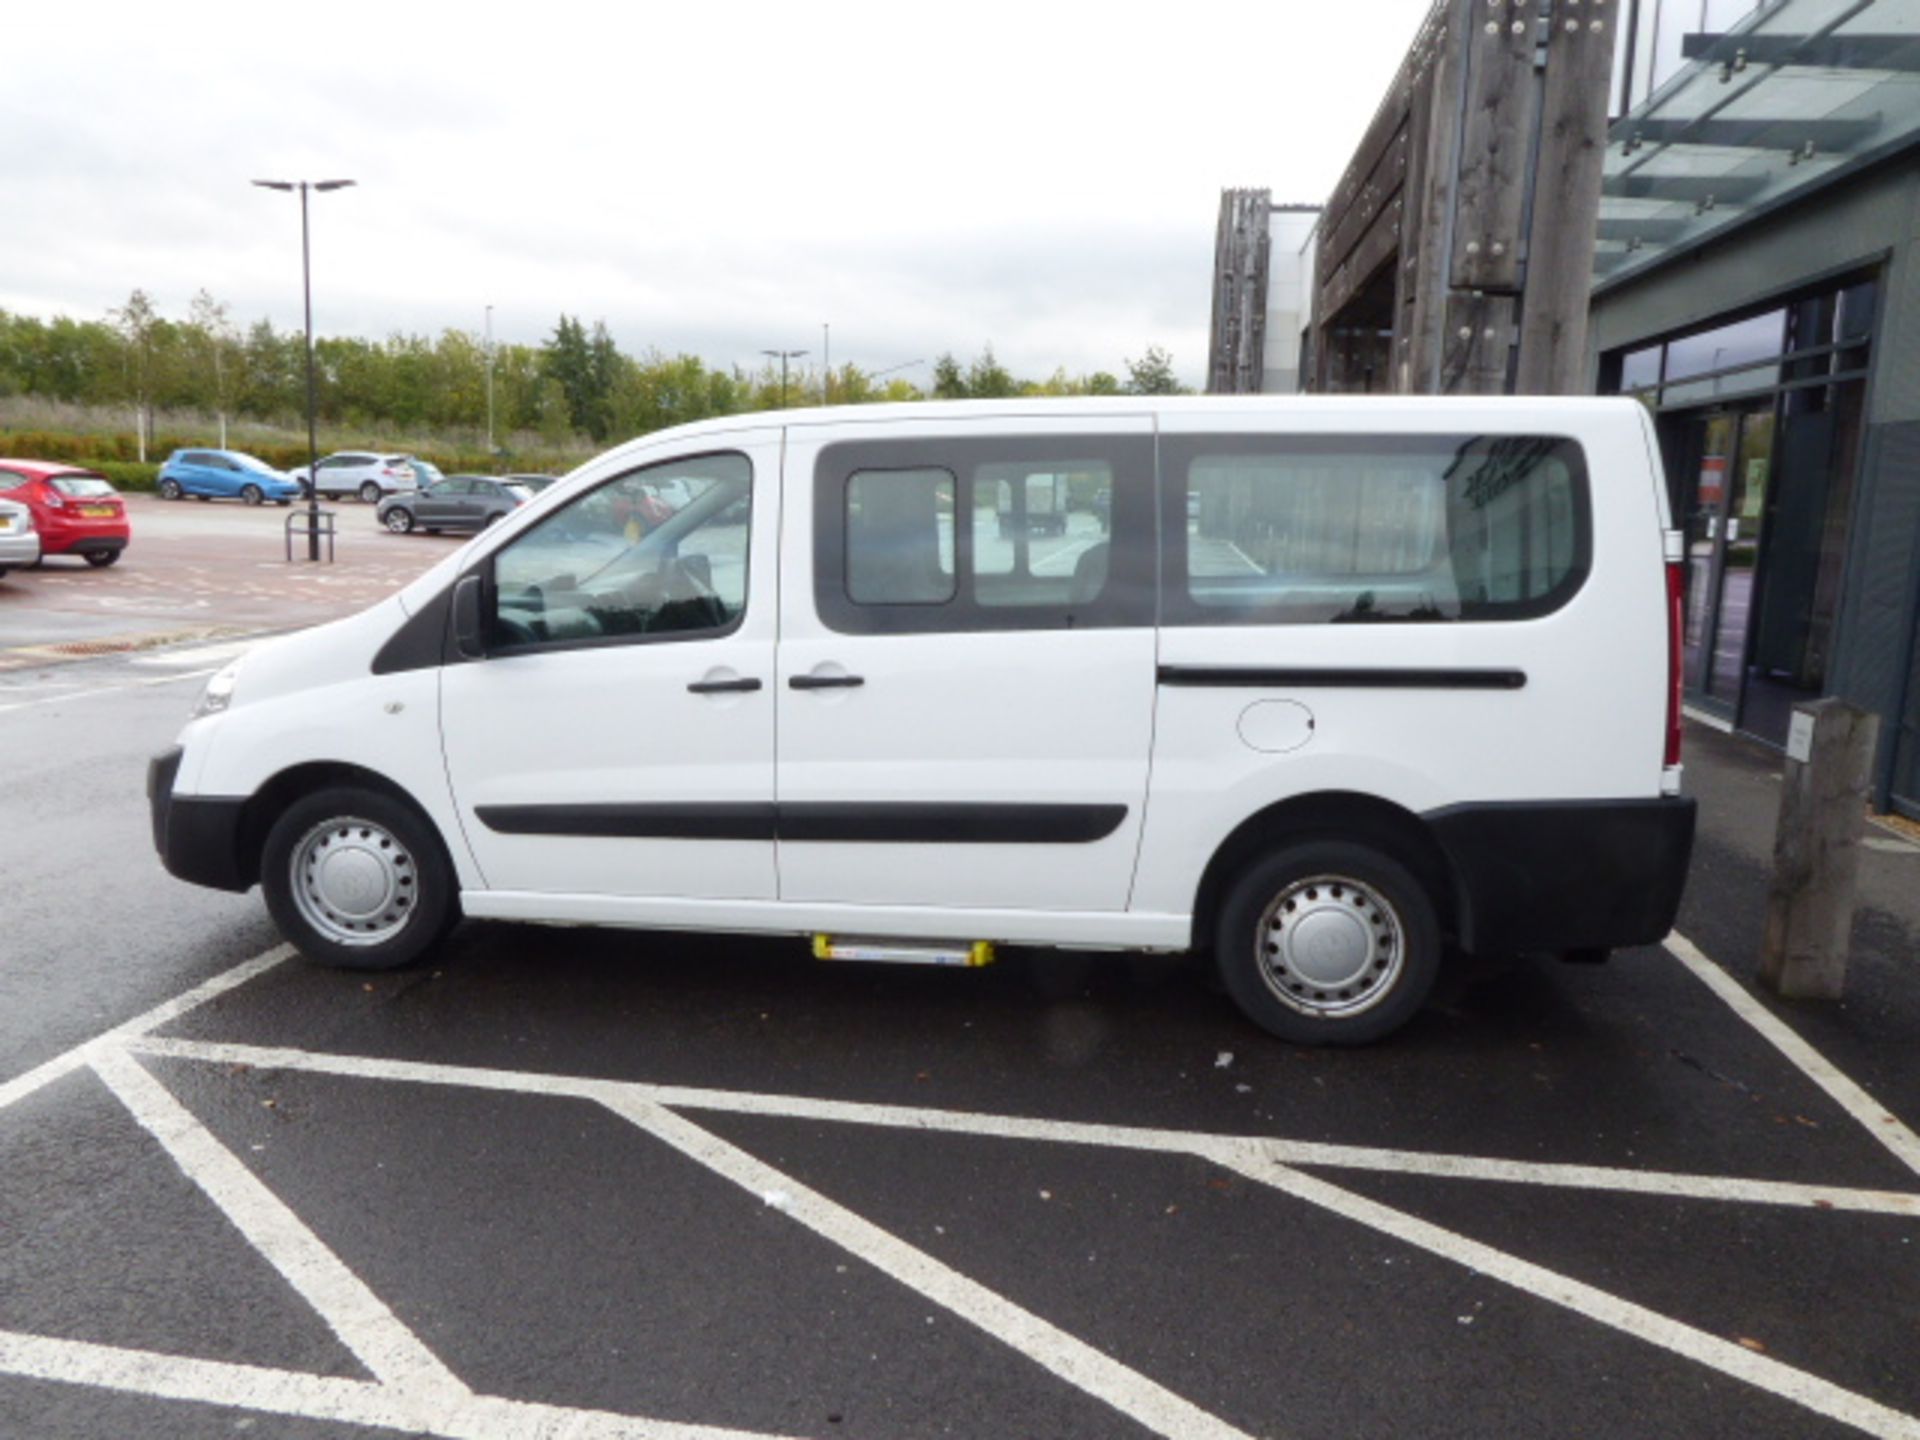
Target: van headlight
(219, 692)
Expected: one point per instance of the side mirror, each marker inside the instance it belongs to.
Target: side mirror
(468, 639)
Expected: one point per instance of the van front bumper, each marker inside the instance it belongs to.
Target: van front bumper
(197, 836)
(1568, 874)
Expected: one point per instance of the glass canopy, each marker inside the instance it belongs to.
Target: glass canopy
(1796, 92)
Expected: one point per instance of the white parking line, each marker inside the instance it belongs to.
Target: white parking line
(107, 690)
(1048, 1346)
(418, 1392)
(66, 1063)
(328, 1398)
(1730, 1359)
(1069, 1132)
(353, 1312)
(1256, 1157)
(1872, 1116)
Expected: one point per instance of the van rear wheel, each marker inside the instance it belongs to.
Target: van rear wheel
(1328, 943)
(358, 880)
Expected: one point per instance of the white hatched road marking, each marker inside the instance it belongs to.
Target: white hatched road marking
(322, 1397)
(1071, 1132)
(353, 1312)
(107, 690)
(65, 1063)
(417, 1392)
(1821, 1396)
(1074, 1361)
(1873, 1117)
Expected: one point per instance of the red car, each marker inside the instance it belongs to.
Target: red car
(76, 511)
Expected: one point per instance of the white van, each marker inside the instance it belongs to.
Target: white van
(1327, 685)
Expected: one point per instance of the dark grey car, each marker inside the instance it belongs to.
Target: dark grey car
(459, 502)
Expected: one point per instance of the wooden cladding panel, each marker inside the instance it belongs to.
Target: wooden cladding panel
(1495, 154)
(1566, 207)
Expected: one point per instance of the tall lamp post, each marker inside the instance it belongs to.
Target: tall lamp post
(490, 459)
(783, 356)
(306, 285)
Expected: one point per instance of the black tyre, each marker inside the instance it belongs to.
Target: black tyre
(100, 559)
(1328, 942)
(170, 490)
(370, 493)
(358, 880)
(399, 520)
(252, 494)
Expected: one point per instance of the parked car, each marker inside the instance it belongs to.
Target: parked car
(458, 502)
(1416, 692)
(224, 475)
(75, 511)
(425, 472)
(363, 473)
(19, 541)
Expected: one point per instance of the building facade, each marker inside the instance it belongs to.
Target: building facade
(1262, 273)
(1757, 285)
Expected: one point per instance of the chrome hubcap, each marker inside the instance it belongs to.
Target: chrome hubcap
(1329, 946)
(400, 520)
(354, 882)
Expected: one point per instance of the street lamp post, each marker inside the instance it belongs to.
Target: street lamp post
(490, 385)
(783, 356)
(306, 286)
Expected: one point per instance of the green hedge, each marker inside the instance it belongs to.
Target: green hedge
(126, 474)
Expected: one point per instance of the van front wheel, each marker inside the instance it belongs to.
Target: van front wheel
(1328, 943)
(358, 880)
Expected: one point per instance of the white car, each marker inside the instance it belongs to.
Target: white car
(367, 474)
(19, 541)
(1413, 686)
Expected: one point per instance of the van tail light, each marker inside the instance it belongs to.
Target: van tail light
(1676, 599)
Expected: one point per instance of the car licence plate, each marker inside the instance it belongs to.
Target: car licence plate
(97, 512)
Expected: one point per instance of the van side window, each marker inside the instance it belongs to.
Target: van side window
(900, 537)
(1039, 532)
(659, 553)
(1318, 529)
(1004, 533)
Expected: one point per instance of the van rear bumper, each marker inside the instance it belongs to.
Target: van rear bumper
(197, 837)
(1566, 874)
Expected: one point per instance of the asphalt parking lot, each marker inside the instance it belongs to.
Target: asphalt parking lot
(575, 1183)
(202, 570)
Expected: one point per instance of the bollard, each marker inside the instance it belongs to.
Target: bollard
(1816, 850)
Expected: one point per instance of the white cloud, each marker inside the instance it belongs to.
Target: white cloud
(709, 178)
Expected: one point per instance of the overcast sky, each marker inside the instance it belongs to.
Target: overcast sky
(709, 178)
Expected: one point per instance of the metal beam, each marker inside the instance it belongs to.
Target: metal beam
(1827, 133)
(1892, 53)
(1688, 188)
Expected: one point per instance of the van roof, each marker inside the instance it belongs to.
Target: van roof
(1509, 407)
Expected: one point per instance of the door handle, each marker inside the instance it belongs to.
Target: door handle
(825, 682)
(718, 687)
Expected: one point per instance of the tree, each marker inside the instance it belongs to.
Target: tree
(136, 321)
(1152, 374)
(988, 379)
(215, 342)
(948, 382)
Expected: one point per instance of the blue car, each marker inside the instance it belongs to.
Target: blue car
(224, 475)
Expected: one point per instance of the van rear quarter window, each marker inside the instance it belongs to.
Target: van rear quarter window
(1330, 529)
